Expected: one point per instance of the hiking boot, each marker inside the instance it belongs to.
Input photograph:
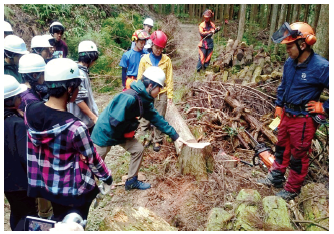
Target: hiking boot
(274, 178)
(286, 195)
(146, 143)
(157, 147)
(134, 183)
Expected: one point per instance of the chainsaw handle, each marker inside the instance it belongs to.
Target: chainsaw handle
(258, 159)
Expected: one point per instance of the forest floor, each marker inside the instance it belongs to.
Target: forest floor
(180, 200)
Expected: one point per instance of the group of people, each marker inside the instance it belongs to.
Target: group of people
(56, 141)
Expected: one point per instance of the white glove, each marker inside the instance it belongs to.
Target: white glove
(72, 226)
(104, 188)
(181, 141)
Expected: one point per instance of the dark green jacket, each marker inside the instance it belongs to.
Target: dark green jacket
(13, 70)
(119, 117)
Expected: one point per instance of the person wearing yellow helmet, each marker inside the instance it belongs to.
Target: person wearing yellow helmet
(130, 59)
(305, 75)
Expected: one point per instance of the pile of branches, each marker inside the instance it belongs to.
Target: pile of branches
(221, 112)
(171, 27)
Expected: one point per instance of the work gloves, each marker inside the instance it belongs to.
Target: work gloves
(314, 107)
(217, 29)
(278, 112)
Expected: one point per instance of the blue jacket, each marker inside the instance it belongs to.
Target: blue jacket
(119, 117)
(302, 83)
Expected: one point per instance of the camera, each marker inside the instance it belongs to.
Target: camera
(37, 224)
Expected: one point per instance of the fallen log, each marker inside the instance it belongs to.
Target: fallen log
(251, 120)
(192, 161)
(249, 74)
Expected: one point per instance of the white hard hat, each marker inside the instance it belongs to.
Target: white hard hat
(31, 63)
(7, 27)
(12, 87)
(155, 74)
(61, 69)
(56, 23)
(87, 46)
(15, 44)
(148, 21)
(40, 41)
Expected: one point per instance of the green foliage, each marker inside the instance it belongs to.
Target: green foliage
(231, 131)
(8, 12)
(180, 93)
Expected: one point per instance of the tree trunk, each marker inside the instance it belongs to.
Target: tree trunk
(172, 8)
(221, 7)
(191, 7)
(178, 9)
(226, 17)
(294, 13)
(231, 12)
(306, 12)
(160, 8)
(216, 12)
(280, 22)
(269, 7)
(288, 13)
(298, 12)
(322, 45)
(242, 21)
(263, 15)
(253, 13)
(204, 8)
(273, 22)
(316, 16)
(192, 161)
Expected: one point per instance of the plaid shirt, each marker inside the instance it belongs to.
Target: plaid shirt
(54, 164)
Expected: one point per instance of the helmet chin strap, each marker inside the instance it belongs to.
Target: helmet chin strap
(299, 49)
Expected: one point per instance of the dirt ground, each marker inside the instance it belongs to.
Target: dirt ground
(180, 200)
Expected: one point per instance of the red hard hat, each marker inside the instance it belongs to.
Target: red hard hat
(305, 31)
(159, 38)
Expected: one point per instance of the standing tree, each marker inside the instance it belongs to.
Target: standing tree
(172, 8)
(295, 13)
(322, 45)
(306, 12)
(221, 8)
(288, 13)
(216, 12)
(262, 15)
(280, 22)
(316, 16)
(242, 21)
(160, 8)
(231, 12)
(226, 17)
(269, 6)
(273, 22)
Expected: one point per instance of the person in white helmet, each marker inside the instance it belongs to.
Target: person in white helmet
(15, 156)
(119, 120)
(62, 160)
(84, 106)
(14, 48)
(147, 27)
(40, 45)
(7, 29)
(57, 31)
(31, 68)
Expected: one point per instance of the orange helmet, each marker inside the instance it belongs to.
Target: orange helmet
(208, 13)
(290, 33)
(140, 35)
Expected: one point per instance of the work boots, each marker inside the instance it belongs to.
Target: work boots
(134, 183)
(274, 178)
(286, 195)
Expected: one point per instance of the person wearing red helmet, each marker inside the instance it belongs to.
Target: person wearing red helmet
(206, 29)
(305, 75)
(158, 59)
(130, 59)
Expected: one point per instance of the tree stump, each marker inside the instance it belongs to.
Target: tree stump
(192, 161)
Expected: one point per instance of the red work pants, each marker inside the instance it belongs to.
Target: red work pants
(295, 136)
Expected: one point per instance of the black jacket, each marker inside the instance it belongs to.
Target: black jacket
(15, 155)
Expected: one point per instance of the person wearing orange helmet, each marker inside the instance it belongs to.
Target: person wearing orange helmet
(130, 59)
(158, 59)
(206, 29)
(305, 75)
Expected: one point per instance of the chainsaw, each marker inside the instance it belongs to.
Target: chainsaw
(264, 156)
